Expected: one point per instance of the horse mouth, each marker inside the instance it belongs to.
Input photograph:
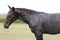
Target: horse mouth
(6, 26)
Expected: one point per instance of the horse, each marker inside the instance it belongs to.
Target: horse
(39, 22)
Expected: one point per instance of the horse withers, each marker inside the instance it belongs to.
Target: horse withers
(39, 22)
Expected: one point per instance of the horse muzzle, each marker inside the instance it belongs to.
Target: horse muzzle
(6, 26)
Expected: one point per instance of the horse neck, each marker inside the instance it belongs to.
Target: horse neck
(24, 16)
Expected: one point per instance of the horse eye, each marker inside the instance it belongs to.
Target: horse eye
(12, 15)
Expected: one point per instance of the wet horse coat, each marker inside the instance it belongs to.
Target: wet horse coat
(39, 22)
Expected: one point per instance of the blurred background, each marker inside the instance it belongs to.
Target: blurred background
(20, 30)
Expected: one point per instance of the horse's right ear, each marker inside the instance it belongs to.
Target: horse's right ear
(9, 6)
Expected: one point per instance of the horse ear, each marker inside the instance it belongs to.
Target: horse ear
(9, 6)
(13, 9)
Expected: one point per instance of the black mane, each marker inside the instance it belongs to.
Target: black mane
(25, 9)
(28, 10)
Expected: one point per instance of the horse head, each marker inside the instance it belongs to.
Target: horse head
(11, 17)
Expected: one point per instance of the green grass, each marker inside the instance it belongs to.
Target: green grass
(18, 31)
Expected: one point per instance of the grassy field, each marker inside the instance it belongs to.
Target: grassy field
(18, 31)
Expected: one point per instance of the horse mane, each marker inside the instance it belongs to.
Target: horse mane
(29, 10)
(25, 9)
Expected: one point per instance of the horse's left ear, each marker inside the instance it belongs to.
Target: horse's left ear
(9, 6)
(13, 9)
